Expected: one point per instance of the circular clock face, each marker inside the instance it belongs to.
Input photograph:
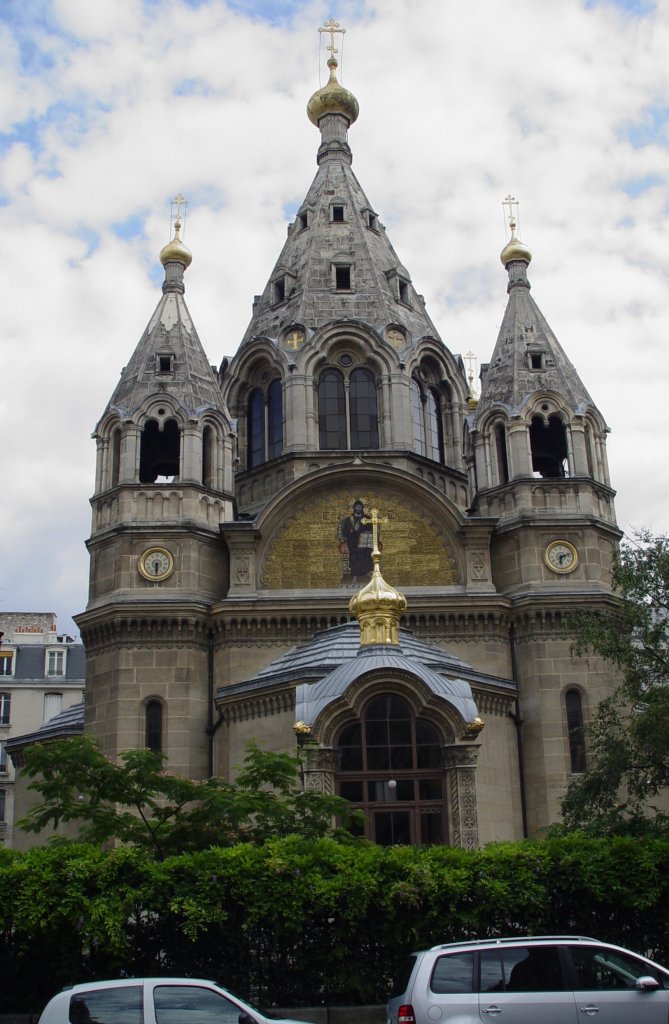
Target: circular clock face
(156, 564)
(561, 556)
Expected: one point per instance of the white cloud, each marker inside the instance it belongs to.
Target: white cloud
(111, 109)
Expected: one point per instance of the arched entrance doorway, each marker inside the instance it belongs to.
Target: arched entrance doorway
(389, 764)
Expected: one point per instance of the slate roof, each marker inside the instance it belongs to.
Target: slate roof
(68, 722)
(323, 667)
(171, 331)
(509, 380)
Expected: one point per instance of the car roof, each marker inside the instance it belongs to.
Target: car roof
(510, 940)
(86, 986)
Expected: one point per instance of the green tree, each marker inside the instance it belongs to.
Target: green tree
(628, 749)
(137, 801)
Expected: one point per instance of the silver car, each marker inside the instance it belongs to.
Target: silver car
(530, 980)
(151, 1001)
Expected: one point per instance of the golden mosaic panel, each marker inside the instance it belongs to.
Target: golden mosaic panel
(309, 551)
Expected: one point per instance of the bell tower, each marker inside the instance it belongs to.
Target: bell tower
(538, 463)
(163, 485)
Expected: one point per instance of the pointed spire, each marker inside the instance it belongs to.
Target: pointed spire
(378, 607)
(169, 357)
(527, 357)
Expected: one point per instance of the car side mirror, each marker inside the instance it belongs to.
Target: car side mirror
(646, 983)
(246, 1018)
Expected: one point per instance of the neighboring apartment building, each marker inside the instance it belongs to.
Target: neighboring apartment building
(42, 672)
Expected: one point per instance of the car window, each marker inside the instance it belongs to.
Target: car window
(192, 1004)
(453, 972)
(121, 1005)
(521, 969)
(597, 967)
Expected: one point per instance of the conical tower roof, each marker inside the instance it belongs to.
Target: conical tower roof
(527, 357)
(337, 226)
(169, 356)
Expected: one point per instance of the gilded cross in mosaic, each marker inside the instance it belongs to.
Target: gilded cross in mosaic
(376, 520)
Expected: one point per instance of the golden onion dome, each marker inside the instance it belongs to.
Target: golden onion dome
(378, 608)
(515, 250)
(176, 250)
(333, 98)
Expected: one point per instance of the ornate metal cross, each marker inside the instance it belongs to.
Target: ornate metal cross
(332, 26)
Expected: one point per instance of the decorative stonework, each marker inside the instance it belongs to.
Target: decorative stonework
(460, 762)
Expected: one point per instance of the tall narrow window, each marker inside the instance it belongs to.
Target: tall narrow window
(331, 411)
(6, 663)
(3, 757)
(362, 399)
(5, 708)
(390, 766)
(575, 730)
(2, 804)
(159, 452)
(208, 457)
(115, 457)
(53, 705)
(434, 426)
(275, 419)
(417, 417)
(502, 458)
(588, 450)
(256, 429)
(548, 442)
(153, 716)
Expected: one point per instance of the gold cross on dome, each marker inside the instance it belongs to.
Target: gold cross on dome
(178, 201)
(332, 26)
(375, 519)
(512, 203)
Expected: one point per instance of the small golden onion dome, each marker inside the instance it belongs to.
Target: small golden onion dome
(333, 98)
(176, 250)
(378, 608)
(515, 250)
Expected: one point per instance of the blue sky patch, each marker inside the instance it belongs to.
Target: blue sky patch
(131, 227)
(636, 186)
(650, 130)
(638, 8)
(192, 87)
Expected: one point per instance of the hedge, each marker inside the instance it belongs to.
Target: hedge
(303, 923)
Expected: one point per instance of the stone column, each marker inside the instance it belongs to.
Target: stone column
(460, 766)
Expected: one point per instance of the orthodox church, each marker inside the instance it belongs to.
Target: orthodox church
(329, 543)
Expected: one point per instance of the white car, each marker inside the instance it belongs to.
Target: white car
(151, 1001)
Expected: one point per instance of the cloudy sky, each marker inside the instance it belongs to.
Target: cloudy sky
(108, 109)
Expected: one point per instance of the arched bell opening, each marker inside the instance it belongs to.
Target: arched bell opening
(159, 452)
(548, 444)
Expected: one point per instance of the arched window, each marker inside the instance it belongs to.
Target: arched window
(417, 418)
(364, 421)
(502, 457)
(208, 457)
(159, 452)
(115, 457)
(264, 425)
(588, 450)
(347, 415)
(575, 730)
(390, 766)
(434, 427)
(275, 419)
(255, 430)
(548, 442)
(331, 411)
(427, 421)
(153, 726)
